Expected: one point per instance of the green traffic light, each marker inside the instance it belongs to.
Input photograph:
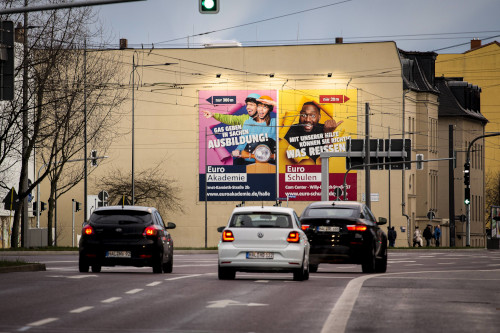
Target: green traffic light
(467, 201)
(209, 6)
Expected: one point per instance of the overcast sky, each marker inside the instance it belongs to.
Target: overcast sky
(417, 25)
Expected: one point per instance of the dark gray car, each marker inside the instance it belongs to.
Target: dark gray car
(126, 236)
(345, 232)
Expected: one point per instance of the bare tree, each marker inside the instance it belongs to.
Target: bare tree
(152, 188)
(57, 76)
(492, 189)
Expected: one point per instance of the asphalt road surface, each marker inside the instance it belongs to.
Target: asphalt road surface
(422, 291)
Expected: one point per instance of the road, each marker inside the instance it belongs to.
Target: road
(423, 291)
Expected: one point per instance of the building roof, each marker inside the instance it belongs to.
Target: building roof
(459, 98)
(480, 47)
(418, 71)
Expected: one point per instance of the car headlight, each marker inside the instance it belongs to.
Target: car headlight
(262, 153)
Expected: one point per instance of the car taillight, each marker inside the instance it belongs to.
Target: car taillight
(305, 226)
(293, 237)
(150, 231)
(357, 227)
(227, 236)
(88, 230)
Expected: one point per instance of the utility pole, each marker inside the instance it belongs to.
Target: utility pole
(25, 140)
(367, 157)
(451, 186)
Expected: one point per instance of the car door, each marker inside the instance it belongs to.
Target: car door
(163, 234)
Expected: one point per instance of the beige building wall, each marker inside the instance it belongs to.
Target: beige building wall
(480, 67)
(465, 130)
(167, 125)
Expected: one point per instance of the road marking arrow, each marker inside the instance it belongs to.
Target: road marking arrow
(227, 302)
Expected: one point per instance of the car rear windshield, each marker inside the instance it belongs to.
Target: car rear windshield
(331, 212)
(260, 220)
(120, 217)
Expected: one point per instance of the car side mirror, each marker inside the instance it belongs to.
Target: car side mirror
(381, 220)
(221, 229)
(171, 225)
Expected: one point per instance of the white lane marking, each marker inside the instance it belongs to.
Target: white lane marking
(183, 277)
(201, 265)
(414, 265)
(427, 257)
(261, 281)
(315, 276)
(446, 263)
(82, 309)
(134, 291)
(338, 317)
(43, 321)
(399, 261)
(152, 284)
(73, 276)
(494, 265)
(111, 300)
(227, 302)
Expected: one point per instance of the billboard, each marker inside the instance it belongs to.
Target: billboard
(263, 144)
(312, 122)
(237, 131)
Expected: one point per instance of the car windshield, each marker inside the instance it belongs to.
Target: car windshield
(260, 220)
(120, 217)
(331, 212)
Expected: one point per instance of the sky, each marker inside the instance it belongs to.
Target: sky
(417, 25)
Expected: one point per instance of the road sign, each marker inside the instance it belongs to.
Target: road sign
(11, 200)
(103, 196)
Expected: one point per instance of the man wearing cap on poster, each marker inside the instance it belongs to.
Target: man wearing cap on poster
(229, 119)
(309, 118)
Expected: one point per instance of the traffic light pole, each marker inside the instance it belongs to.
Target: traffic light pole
(467, 184)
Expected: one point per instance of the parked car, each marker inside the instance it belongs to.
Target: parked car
(345, 232)
(126, 236)
(263, 239)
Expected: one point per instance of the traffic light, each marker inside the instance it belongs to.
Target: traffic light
(35, 208)
(78, 206)
(467, 196)
(209, 6)
(93, 158)
(42, 206)
(467, 173)
(7, 60)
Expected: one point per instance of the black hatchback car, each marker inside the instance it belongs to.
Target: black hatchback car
(345, 232)
(126, 236)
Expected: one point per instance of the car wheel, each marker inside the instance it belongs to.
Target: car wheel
(96, 268)
(368, 264)
(313, 268)
(302, 273)
(83, 266)
(157, 265)
(226, 273)
(381, 264)
(168, 266)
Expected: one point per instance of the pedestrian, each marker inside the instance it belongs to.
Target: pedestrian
(428, 235)
(437, 235)
(391, 235)
(417, 237)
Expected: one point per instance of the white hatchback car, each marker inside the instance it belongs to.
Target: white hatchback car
(263, 239)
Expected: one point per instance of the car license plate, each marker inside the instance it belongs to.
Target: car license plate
(328, 228)
(260, 255)
(118, 254)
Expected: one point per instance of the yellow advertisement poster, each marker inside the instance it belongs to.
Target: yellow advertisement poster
(311, 122)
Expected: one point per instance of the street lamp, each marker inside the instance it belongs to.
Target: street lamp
(134, 66)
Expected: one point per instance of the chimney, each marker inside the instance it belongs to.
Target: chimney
(339, 40)
(475, 43)
(123, 43)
